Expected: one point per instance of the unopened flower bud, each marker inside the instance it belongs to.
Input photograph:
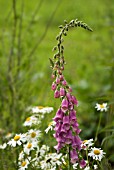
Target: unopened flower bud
(57, 94)
(52, 76)
(61, 77)
(62, 67)
(64, 83)
(59, 72)
(57, 80)
(62, 91)
(53, 87)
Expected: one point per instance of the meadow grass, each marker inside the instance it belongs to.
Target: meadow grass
(89, 61)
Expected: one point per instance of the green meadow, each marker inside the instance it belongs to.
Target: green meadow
(28, 31)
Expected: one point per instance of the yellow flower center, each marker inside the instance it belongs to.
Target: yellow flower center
(84, 141)
(29, 145)
(23, 163)
(16, 138)
(33, 134)
(101, 106)
(28, 119)
(50, 123)
(40, 107)
(96, 151)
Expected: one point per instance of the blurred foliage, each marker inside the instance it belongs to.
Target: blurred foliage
(27, 36)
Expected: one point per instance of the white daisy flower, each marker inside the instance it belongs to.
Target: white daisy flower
(30, 121)
(33, 135)
(24, 164)
(17, 140)
(42, 151)
(51, 160)
(50, 126)
(8, 135)
(96, 153)
(29, 146)
(101, 107)
(75, 166)
(3, 146)
(41, 109)
(87, 168)
(21, 156)
(95, 166)
(87, 143)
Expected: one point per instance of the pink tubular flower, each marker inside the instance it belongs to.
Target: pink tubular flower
(74, 156)
(66, 125)
(74, 100)
(59, 116)
(62, 91)
(72, 116)
(69, 97)
(64, 105)
(82, 163)
(76, 144)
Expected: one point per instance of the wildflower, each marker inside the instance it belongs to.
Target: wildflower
(8, 135)
(50, 126)
(62, 91)
(57, 94)
(51, 160)
(21, 156)
(82, 163)
(101, 107)
(64, 105)
(3, 146)
(57, 80)
(87, 143)
(75, 166)
(74, 156)
(54, 86)
(41, 109)
(30, 121)
(96, 153)
(24, 164)
(29, 146)
(43, 150)
(87, 167)
(32, 135)
(95, 166)
(17, 140)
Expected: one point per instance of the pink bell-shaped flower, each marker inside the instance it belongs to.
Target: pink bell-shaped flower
(64, 105)
(62, 91)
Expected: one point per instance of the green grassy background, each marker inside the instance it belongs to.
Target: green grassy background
(89, 57)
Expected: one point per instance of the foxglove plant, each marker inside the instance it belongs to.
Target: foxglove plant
(66, 125)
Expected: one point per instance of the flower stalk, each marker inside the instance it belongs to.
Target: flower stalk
(66, 126)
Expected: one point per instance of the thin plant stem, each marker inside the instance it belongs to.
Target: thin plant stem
(68, 158)
(100, 117)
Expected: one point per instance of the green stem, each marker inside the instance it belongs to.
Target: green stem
(98, 127)
(68, 157)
